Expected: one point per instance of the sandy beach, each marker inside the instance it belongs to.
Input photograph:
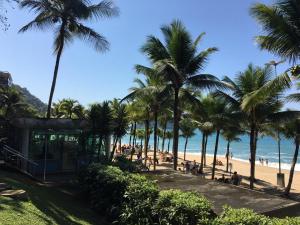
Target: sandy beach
(265, 175)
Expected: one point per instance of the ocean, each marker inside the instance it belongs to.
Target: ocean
(267, 148)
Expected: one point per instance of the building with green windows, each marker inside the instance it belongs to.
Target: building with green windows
(55, 145)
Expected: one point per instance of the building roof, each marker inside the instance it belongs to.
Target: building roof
(54, 124)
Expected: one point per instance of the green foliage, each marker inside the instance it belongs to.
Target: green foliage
(105, 186)
(139, 199)
(232, 216)
(127, 165)
(286, 221)
(177, 207)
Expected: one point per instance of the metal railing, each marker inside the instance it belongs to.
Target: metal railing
(15, 159)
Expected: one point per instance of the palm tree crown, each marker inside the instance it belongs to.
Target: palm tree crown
(65, 17)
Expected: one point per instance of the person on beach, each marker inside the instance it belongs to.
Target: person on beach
(267, 162)
(235, 178)
(187, 167)
(231, 155)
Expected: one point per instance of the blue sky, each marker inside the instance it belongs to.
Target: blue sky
(89, 77)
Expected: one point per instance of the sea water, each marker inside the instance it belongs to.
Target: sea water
(267, 148)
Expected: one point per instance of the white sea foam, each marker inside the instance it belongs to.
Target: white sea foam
(284, 166)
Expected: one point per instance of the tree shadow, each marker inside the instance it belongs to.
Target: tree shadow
(55, 203)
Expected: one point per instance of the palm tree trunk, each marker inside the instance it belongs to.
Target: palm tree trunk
(186, 141)
(146, 140)
(169, 145)
(252, 156)
(130, 136)
(202, 152)
(205, 146)
(114, 149)
(155, 138)
(289, 186)
(175, 128)
(59, 52)
(227, 155)
(215, 155)
(279, 151)
(99, 148)
(164, 137)
(134, 135)
(158, 139)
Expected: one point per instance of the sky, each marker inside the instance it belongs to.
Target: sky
(89, 76)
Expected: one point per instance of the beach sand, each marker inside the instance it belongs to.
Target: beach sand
(266, 175)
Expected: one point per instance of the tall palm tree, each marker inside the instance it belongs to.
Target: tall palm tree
(101, 122)
(154, 94)
(68, 108)
(282, 29)
(187, 128)
(65, 17)
(256, 94)
(169, 136)
(291, 130)
(230, 134)
(178, 61)
(120, 124)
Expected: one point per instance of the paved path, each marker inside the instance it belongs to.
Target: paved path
(221, 194)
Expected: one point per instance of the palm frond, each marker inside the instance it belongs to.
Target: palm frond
(92, 37)
(104, 9)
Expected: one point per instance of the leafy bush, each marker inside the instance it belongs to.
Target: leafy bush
(177, 207)
(139, 198)
(105, 186)
(232, 216)
(126, 165)
(286, 221)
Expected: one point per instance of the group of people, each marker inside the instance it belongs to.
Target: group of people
(235, 179)
(189, 167)
(262, 161)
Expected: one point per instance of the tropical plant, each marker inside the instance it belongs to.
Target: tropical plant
(68, 108)
(65, 17)
(178, 62)
(257, 94)
(152, 93)
(187, 128)
(230, 134)
(280, 24)
(119, 123)
(291, 130)
(169, 136)
(101, 122)
(13, 105)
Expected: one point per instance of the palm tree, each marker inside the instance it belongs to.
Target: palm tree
(187, 128)
(169, 136)
(68, 108)
(100, 118)
(178, 61)
(120, 124)
(275, 64)
(230, 134)
(291, 130)
(164, 119)
(154, 94)
(65, 17)
(282, 30)
(257, 95)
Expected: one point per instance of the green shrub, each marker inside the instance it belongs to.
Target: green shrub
(232, 216)
(140, 196)
(126, 165)
(286, 221)
(177, 207)
(105, 186)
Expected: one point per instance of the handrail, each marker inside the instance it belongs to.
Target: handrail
(15, 152)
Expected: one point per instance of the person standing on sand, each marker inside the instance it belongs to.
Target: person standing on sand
(231, 155)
